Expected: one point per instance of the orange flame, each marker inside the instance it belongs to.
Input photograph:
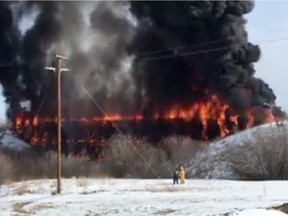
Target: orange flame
(213, 109)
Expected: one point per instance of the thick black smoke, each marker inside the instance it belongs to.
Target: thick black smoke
(214, 54)
(95, 37)
(9, 48)
(131, 56)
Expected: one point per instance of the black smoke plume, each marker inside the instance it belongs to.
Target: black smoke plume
(133, 57)
(94, 35)
(203, 45)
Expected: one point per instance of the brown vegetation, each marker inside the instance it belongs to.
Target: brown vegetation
(124, 157)
(265, 157)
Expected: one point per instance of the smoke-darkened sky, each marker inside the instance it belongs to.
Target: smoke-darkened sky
(265, 22)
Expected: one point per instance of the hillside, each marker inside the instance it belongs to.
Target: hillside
(214, 161)
(8, 141)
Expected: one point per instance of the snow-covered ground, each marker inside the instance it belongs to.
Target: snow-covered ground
(129, 197)
(210, 162)
(10, 142)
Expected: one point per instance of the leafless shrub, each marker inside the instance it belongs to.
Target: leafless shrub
(71, 166)
(124, 157)
(263, 157)
(127, 156)
(82, 182)
(132, 157)
(18, 208)
(22, 189)
(180, 150)
(22, 167)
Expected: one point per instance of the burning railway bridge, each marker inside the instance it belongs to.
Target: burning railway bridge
(202, 121)
(168, 57)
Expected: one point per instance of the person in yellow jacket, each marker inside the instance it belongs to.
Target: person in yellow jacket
(182, 175)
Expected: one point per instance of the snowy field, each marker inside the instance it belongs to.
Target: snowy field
(97, 197)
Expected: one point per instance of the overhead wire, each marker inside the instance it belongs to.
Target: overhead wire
(203, 43)
(177, 49)
(186, 46)
(187, 53)
(208, 50)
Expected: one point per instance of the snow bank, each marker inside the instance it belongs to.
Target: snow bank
(10, 142)
(4, 191)
(210, 162)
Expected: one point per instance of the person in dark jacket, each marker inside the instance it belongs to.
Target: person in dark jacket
(175, 176)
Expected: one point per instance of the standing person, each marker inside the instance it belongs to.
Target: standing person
(182, 175)
(175, 176)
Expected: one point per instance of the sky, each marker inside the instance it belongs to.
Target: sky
(267, 22)
(266, 25)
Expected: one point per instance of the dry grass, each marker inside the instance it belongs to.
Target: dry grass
(7, 181)
(15, 167)
(85, 192)
(7, 170)
(53, 187)
(22, 189)
(179, 150)
(167, 188)
(18, 208)
(40, 207)
(124, 157)
(82, 182)
(129, 157)
(282, 208)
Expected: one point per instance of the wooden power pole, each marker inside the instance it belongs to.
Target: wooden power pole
(58, 71)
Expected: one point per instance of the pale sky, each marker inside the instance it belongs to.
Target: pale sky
(268, 21)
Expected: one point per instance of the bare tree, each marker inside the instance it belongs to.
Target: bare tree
(263, 157)
(180, 150)
(133, 156)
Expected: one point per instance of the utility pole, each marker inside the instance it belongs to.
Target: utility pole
(58, 71)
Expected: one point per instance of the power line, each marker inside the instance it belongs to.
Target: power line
(187, 46)
(208, 50)
(201, 51)
(203, 43)
(273, 40)
(277, 30)
(188, 53)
